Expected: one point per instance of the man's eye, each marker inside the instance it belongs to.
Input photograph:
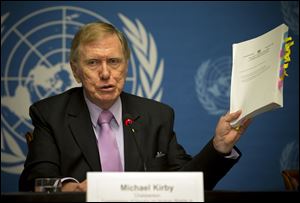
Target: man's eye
(114, 62)
(92, 62)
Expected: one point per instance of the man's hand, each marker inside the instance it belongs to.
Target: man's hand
(226, 136)
(74, 187)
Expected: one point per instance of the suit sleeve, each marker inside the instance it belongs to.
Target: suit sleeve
(213, 165)
(43, 155)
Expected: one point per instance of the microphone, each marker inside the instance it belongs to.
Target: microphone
(128, 123)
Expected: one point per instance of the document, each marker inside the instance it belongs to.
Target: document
(258, 69)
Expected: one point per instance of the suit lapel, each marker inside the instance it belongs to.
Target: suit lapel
(81, 128)
(133, 158)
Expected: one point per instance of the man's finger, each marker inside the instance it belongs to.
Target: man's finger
(232, 116)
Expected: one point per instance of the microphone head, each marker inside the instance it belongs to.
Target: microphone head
(128, 121)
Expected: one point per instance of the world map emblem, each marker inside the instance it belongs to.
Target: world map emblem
(290, 11)
(35, 65)
(212, 85)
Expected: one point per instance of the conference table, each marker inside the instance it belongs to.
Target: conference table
(209, 196)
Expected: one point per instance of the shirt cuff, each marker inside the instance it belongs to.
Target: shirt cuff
(69, 179)
(233, 155)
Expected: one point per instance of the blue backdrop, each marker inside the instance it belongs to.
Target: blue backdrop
(181, 55)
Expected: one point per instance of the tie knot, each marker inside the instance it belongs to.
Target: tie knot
(105, 117)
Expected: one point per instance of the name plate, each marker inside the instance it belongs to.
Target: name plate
(145, 187)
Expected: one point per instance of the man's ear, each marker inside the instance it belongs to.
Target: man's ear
(75, 71)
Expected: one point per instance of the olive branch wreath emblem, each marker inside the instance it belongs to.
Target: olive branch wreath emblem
(144, 47)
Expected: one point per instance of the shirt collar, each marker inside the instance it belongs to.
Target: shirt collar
(115, 109)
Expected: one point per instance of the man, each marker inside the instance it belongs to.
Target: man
(66, 131)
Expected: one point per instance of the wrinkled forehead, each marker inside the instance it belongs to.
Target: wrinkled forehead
(109, 44)
(97, 37)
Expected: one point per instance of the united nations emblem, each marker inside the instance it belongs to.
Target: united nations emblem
(35, 65)
(290, 10)
(290, 156)
(212, 85)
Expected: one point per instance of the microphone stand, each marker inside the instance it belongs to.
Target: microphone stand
(128, 122)
(139, 150)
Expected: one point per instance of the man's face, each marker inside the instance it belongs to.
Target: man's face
(102, 69)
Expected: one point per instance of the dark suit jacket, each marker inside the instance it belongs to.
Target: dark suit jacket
(64, 143)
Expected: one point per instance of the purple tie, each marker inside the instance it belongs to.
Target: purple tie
(107, 144)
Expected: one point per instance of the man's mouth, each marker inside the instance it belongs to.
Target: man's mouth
(107, 88)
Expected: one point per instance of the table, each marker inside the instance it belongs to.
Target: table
(210, 196)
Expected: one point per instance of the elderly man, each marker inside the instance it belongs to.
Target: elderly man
(99, 127)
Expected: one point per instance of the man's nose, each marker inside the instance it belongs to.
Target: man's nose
(105, 71)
